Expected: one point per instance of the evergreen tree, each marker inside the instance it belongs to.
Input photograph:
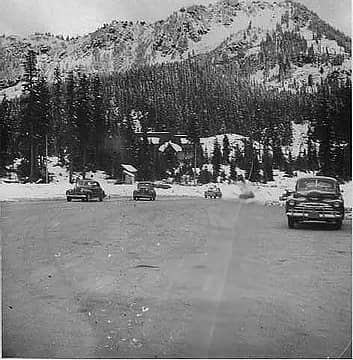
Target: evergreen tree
(311, 155)
(98, 115)
(233, 170)
(5, 134)
(58, 116)
(145, 171)
(267, 165)
(288, 166)
(193, 133)
(28, 115)
(205, 176)
(42, 113)
(226, 150)
(216, 160)
(70, 132)
(83, 120)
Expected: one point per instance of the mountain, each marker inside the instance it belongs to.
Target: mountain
(277, 43)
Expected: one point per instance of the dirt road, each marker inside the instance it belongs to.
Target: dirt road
(171, 278)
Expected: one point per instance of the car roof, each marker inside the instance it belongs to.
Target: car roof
(317, 178)
(146, 183)
(87, 180)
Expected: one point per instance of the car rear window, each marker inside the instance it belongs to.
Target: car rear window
(144, 185)
(87, 183)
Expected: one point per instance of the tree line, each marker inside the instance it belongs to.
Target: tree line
(89, 121)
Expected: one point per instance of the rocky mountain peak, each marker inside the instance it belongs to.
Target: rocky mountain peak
(247, 32)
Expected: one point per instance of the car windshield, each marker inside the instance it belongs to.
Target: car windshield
(316, 184)
(87, 183)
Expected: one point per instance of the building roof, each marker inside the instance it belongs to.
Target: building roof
(129, 168)
(176, 147)
(128, 173)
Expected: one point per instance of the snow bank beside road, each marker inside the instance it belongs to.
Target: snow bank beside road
(264, 193)
(10, 192)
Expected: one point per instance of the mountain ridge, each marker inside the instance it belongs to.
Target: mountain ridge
(229, 30)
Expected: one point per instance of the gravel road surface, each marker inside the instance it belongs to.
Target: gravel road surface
(172, 278)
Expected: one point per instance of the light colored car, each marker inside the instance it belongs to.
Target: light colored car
(213, 191)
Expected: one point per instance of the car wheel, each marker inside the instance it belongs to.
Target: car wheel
(87, 198)
(338, 225)
(291, 222)
(101, 198)
(68, 199)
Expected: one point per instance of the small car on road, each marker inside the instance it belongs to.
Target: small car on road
(315, 199)
(213, 191)
(86, 190)
(145, 190)
(161, 185)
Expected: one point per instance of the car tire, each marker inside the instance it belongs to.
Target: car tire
(338, 225)
(68, 199)
(101, 198)
(87, 198)
(291, 222)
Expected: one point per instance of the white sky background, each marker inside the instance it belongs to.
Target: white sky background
(77, 17)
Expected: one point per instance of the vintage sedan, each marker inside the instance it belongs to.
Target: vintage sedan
(213, 191)
(145, 190)
(315, 199)
(86, 190)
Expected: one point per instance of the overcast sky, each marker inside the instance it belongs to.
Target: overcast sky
(77, 17)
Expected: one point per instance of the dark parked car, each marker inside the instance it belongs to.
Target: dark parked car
(213, 191)
(145, 190)
(316, 198)
(86, 190)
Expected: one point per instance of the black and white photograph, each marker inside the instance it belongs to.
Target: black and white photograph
(176, 179)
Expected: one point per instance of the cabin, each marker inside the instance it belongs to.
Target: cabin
(129, 173)
(170, 145)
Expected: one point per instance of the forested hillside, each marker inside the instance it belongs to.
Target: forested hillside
(76, 114)
(252, 68)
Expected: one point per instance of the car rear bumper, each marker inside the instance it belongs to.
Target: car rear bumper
(77, 196)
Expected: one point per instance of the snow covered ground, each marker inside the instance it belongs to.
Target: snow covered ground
(267, 194)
